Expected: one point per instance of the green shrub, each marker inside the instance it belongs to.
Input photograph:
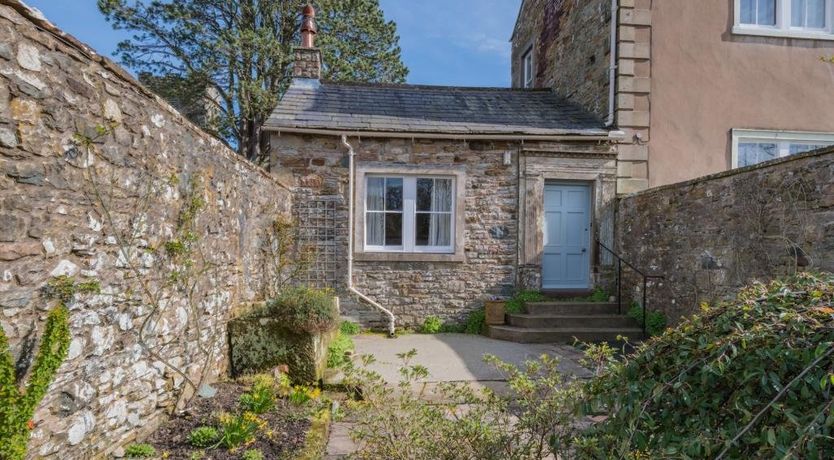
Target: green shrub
(204, 436)
(261, 398)
(750, 378)
(516, 304)
(303, 309)
(476, 322)
(140, 451)
(431, 325)
(453, 328)
(655, 321)
(599, 295)
(336, 352)
(253, 454)
(238, 430)
(17, 406)
(349, 328)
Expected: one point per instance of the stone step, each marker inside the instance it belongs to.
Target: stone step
(572, 308)
(572, 321)
(562, 335)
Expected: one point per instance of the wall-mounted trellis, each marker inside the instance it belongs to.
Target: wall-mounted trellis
(317, 231)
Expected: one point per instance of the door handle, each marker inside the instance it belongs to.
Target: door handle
(584, 249)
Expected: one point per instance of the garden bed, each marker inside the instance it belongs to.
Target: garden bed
(281, 430)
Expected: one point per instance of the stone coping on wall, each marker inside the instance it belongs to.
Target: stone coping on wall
(734, 172)
(37, 18)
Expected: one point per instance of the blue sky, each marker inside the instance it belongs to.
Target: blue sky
(444, 42)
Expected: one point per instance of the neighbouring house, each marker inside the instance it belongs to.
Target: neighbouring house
(698, 87)
(461, 194)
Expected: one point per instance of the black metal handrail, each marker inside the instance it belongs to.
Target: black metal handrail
(646, 278)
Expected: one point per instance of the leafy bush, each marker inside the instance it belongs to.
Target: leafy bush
(303, 309)
(431, 325)
(140, 451)
(599, 295)
(17, 405)
(476, 322)
(655, 321)
(204, 436)
(750, 378)
(261, 398)
(516, 304)
(349, 328)
(395, 423)
(238, 430)
(337, 351)
(253, 454)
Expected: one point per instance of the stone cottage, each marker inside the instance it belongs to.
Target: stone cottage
(444, 197)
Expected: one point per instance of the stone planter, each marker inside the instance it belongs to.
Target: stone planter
(496, 311)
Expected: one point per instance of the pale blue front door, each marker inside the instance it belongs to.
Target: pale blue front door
(567, 236)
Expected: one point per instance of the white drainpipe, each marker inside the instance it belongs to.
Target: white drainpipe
(612, 69)
(351, 288)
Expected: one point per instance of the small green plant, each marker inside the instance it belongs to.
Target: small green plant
(349, 328)
(197, 455)
(140, 450)
(655, 321)
(516, 304)
(599, 295)
(476, 322)
(204, 436)
(261, 398)
(239, 430)
(431, 325)
(304, 309)
(253, 454)
(17, 405)
(337, 351)
(301, 395)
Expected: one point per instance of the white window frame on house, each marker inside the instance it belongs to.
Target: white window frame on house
(783, 27)
(782, 139)
(527, 68)
(409, 250)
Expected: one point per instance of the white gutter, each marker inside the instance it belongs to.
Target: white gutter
(601, 136)
(612, 69)
(351, 288)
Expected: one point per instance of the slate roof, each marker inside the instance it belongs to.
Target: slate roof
(361, 107)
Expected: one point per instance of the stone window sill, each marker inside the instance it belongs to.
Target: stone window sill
(783, 33)
(408, 257)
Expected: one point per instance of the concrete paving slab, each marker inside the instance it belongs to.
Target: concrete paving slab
(459, 357)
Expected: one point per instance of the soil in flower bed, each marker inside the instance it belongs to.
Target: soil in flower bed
(287, 422)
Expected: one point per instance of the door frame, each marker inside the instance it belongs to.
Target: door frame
(591, 185)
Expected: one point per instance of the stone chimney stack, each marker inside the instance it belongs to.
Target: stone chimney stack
(307, 57)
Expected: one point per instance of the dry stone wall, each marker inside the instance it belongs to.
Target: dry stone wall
(88, 156)
(712, 235)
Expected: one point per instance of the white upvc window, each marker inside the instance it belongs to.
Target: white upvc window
(812, 19)
(527, 69)
(757, 146)
(411, 214)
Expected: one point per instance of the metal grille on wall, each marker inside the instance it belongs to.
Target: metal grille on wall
(316, 220)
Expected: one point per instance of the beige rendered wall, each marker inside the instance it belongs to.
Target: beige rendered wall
(707, 81)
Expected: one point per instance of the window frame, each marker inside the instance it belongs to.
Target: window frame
(783, 139)
(528, 81)
(409, 251)
(783, 27)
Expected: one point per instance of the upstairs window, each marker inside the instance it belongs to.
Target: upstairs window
(751, 147)
(785, 18)
(527, 69)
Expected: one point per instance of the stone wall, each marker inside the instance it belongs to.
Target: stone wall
(712, 235)
(571, 41)
(94, 214)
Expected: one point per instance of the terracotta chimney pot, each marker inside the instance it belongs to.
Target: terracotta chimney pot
(308, 27)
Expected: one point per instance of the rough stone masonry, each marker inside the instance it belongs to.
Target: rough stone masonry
(148, 162)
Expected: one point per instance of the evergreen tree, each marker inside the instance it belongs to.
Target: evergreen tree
(241, 50)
